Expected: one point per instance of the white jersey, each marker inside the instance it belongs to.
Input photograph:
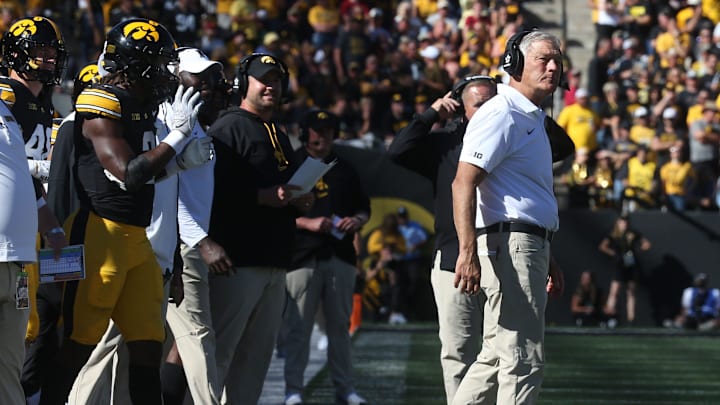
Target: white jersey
(506, 137)
(18, 207)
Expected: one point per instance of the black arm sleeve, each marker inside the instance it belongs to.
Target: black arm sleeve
(139, 171)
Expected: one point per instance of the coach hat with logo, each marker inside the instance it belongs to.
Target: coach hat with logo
(260, 66)
(320, 119)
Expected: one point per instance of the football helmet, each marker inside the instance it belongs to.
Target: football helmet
(22, 46)
(85, 77)
(145, 52)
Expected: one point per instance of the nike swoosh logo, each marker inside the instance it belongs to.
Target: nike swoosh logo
(530, 131)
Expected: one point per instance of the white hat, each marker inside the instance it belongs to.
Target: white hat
(640, 112)
(628, 43)
(443, 4)
(581, 92)
(670, 113)
(430, 52)
(193, 60)
(375, 12)
(319, 56)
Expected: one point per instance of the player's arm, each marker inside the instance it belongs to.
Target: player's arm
(116, 156)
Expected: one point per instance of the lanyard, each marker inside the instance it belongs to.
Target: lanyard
(279, 154)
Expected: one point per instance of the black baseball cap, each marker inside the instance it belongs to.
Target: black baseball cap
(320, 119)
(263, 64)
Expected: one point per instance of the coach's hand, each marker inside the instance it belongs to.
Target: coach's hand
(215, 257)
(467, 273)
(556, 280)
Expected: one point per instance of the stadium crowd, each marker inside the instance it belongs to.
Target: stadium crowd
(644, 121)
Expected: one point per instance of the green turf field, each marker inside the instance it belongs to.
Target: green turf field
(401, 366)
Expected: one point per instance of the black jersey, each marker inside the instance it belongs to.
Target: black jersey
(34, 114)
(101, 195)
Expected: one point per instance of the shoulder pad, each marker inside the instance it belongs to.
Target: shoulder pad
(99, 101)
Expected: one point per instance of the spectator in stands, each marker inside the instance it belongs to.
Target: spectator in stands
(700, 306)
(352, 45)
(601, 190)
(640, 182)
(580, 122)
(704, 139)
(579, 179)
(638, 20)
(623, 244)
(375, 90)
(677, 178)
(412, 262)
(434, 80)
(325, 20)
(641, 133)
(387, 246)
(668, 135)
(586, 302)
(574, 78)
(608, 110)
(609, 15)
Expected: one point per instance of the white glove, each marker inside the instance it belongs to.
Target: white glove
(185, 109)
(197, 152)
(40, 169)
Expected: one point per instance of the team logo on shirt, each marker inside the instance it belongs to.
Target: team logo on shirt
(142, 30)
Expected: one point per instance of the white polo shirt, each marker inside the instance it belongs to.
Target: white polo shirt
(18, 207)
(506, 137)
(163, 230)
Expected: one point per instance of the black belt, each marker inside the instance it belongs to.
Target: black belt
(517, 227)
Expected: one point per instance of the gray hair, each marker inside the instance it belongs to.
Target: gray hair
(538, 36)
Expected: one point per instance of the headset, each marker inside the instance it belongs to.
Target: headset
(513, 60)
(305, 125)
(240, 82)
(459, 87)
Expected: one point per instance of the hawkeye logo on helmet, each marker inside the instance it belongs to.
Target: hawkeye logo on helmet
(23, 26)
(268, 60)
(142, 30)
(322, 115)
(89, 74)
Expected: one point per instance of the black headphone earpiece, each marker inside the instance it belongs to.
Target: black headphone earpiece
(459, 87)
(240, 82)
(513, 59)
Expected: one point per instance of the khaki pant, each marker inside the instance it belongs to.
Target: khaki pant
(330, 282)
(191, 324)
(460, 321)
(13, 325)
(246, 310)
(509, 368)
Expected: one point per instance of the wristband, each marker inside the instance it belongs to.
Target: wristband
(176, 140)
(56, 230)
